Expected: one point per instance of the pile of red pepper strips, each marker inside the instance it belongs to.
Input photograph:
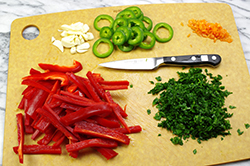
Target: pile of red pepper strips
(60, 105)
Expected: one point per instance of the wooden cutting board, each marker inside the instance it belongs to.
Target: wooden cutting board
(146, 148)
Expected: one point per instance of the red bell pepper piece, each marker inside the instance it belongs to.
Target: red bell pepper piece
(49, 76)
(100, 91)
(76, 80)
(20, 136)
(107, 152)
(123, 82)
(76, 67)
(94, 142)
(35, 84)
(49, 133)
(116, 110)
(133, 129)
(101, 110)
(59, 141)
(39, 149)
(36, 134)
(91, 91)
(114, 87)
(70, 107)
(34, 71)
(72, 88)
(56, 123)
(100, 131)
(106, 123)
(75, 96)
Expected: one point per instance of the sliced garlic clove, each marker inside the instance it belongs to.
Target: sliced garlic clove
(90, 36)
(81, 51)
(53, 39)
(85, 28)
(83, 46)
(58, 44)
(73, 50)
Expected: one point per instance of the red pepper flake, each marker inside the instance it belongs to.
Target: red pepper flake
(60, 105)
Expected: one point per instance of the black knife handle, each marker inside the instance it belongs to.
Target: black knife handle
(193, 60)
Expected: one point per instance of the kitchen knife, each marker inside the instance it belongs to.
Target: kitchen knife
(153, 63)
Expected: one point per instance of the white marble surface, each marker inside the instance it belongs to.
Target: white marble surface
(13, 9)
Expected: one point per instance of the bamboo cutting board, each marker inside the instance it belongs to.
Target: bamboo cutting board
(146, 148)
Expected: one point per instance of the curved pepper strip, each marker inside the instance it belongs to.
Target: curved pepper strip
(149, 22)
(103, 17)
(164, 25)
(20, 135)
(106, 54)
(50, 76)
(76, 67)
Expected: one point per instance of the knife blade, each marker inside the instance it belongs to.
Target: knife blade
(153, 63)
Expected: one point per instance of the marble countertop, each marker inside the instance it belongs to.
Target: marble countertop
(13, 9)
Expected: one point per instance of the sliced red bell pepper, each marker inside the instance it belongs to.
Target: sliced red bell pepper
(106, 123)
(35, 84)
(70, 107)
(75, 101)
(79, 84)
(116, 109)
(49, 76)
(59, 141)
(75, 96)
(94, 142)
(133, 129)
(34, 71)
(100, 131)
(50, 132)
(76, 67)
(123, 82)
(36, 134)
(96, 85)
(20, 136)
(114, 87)
(39, 149)
(107, 152)
(56, 123)
(72, 88)
(101, 110)
(92, 90)
(73, 154)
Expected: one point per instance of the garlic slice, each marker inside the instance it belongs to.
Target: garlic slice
(59, 45)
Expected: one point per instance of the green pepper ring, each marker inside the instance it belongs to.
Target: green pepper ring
(127, 31)
(138, 36)
(152, 42)
(168, 27)
(126, 14)
(106, 32)
(132, 22)
(136, 10)
(103, 17)
(119, 38)
(106, 54)
(126, 47)
(149, 22)
(120, 22)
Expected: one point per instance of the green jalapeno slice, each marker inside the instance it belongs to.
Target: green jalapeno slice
(146, 45)
(106, 54)
(126, 14)
(149, 22)
(132, 22)
(103, 17)
(136, 37)
(119, 22)
(126, 30)
(126, 47)
(136, 10)
(118, 38)
(164, 25)
(106, 32)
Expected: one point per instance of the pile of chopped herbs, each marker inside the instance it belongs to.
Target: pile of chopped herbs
(192, 106)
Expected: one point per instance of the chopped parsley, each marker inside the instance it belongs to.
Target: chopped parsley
(247, 125)
(152, 82)
(159, 134)
(158, 78)
(131, 85)
(148, 111)
(194, 151)
(232, 107)
(240, 132)
(192, 106)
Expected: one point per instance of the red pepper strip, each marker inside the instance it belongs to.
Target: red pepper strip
(56, 87)
(39, 149)
(21, 104)
(92, 91)
(35, 84)
(101, 110)
(20, 136)
(29, 88)
(73, 154)
(70, 107)
(110, 100)
(56, 123)
(29, 94)
(106, 123)
(75, 101)
(59, 141)
(95, 142)
(72, 95)
(133, 129)
(50, 132)
(34, 71)
(96, 85)
(116, 110)
(50, 76)
(114, 82)
(79, 84)
(36, 102)
(36, 134)
(96, 130)
(107, 152)
(114, 87)
(72, 88)
(77, 66)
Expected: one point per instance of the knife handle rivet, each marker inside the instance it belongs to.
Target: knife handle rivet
(173, 58)
(193, 58)
(214, 58)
